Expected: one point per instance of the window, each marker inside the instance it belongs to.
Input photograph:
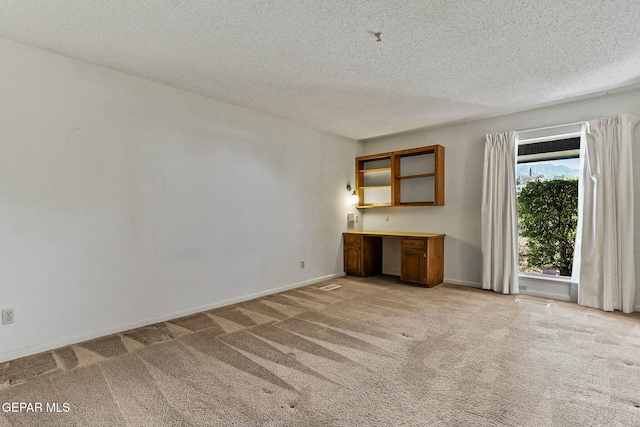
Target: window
(547, 186)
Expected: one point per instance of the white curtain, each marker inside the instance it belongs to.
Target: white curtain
(604, 261)
(499, 215)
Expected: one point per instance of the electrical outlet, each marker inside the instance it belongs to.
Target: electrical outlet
(8, 316)
(301, 264)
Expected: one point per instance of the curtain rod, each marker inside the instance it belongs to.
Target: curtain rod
(552, 127)
(568, 124)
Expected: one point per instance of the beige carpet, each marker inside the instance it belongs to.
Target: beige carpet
(374, 352)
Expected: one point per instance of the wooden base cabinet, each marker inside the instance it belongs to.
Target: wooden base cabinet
(422, 261)
(362, 255)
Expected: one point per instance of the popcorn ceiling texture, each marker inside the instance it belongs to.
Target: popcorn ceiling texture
(318, 63)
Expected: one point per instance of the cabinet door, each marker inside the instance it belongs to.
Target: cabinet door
(352, 260)
(353, 254)
(413, 265)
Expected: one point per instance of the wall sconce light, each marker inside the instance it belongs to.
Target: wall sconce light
(353, 198)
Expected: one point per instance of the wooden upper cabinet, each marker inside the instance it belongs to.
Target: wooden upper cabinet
(374, 180)
(413, 177)
(418, 176)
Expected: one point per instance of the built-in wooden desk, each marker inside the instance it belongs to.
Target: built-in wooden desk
(421, 260)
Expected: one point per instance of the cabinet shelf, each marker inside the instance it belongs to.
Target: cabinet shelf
(417, 204)
(388, 169)
(421, 175)
(369, 187)
(374, 205)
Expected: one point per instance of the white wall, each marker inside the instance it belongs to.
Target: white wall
(124, 202)
(464, 144)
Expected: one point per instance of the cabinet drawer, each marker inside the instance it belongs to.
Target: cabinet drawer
(413, 243)
(352, 241)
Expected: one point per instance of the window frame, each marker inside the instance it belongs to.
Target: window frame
(553, 155)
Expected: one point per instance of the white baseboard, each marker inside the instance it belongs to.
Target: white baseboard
(52, 345)
(463, 283)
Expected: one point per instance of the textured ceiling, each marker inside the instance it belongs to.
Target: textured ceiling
(318, 62)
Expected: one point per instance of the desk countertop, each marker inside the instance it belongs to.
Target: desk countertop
(395, 234)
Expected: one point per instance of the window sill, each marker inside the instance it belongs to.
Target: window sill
(547, 286)
(544, 277)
